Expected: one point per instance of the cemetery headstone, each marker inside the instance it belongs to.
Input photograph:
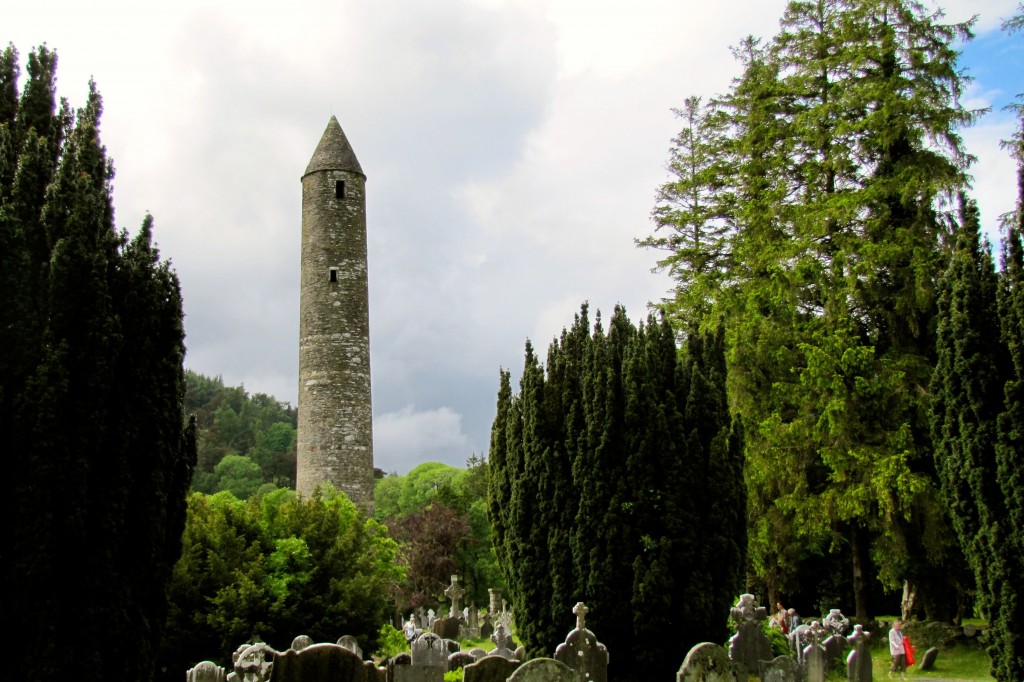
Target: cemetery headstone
(375, 673)
(489, 669)
(503, 618)
(446, 628)
(422, 619)
(749, 646)
(319, 663)
(349, 642)
(858, 663)
(816, 663)
(397, 661)
(928, 660)
(431, 617)
(429, 661)
(495, 600)
(781, 669)
(460, 659)
(503, 642)
(452, 645)
(254, 662)
(544, 670)
(301, 642)
(708, 662)
(430, 650)
(477, 653)
(836, 623)
(207, 671)
(798, 640)
(520, 653)
(582, 652)
(486, 629)
(470, 627)
(835, 646)
(454, 593)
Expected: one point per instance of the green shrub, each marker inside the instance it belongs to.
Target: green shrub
(391, 642)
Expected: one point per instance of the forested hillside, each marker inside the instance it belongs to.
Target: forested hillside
(246, 443)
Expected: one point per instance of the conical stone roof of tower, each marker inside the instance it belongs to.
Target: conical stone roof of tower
(334, 152)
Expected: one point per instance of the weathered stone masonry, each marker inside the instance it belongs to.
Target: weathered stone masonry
(335, 436)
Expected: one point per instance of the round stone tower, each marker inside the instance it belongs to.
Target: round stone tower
(335, 438)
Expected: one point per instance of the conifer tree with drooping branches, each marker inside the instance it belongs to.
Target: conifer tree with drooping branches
(843, 154)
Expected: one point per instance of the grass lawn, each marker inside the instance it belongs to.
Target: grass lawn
(957, 663)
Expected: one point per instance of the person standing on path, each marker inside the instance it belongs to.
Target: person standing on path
(897, 650)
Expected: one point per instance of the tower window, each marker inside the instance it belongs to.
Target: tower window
(339, 189)
(334, 274)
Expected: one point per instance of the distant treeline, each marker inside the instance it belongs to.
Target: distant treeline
(246, 443)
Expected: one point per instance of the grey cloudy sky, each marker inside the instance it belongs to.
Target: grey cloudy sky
(512, 150)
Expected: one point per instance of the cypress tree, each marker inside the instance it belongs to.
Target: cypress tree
(92, 398)
(1007, 640)
(967, 397)
(618, 484)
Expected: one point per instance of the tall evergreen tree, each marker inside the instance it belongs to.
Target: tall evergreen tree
(628, 495)
(1007, 640)
(1007, 594)
(843, 147)
(92, 394)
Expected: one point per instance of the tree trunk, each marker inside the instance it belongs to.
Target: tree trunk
(861, 566)
(909, 599)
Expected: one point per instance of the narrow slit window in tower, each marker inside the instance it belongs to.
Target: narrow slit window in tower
(339, 189)
(334, 274)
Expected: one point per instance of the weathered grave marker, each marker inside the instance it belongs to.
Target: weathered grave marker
(460, 659)
(489, 669)
(708, 662)
(349, 642)
(301, 642)
(319, 663)
(429, 661)
(858, 663)
(816, 662)
(781, 669)
(582, 652)
(207, 671)
(749, 646)
(836, 623)
(454, 593)
(928, 660)
(503, 642)
(544, 670)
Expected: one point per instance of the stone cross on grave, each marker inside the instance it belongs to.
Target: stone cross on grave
(455, 592)
(581, 612)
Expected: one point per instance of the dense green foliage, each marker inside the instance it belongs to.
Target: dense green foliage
(246, 443)
(438, 515)
(978, 416)
(276, 567)
(91, 391)
(616, 480)
(809, 210)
